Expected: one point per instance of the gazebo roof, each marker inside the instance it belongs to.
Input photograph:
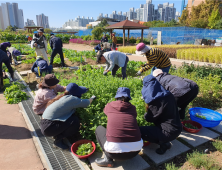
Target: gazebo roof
(127, 25)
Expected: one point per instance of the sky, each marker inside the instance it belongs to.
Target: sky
(60, 11)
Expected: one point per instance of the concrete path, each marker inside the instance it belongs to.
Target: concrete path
(17, 150)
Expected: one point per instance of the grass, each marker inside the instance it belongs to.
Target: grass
(218, 145)
(199, 160)
(171, 166)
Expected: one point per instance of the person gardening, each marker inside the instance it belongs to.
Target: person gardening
(104, 39)
(4, 46)
(41, 66)
(184, 90)
(56, 46)
(161, 109)
(114, 60)
(5, 59)
(40, 43)
(59, 120)
(98, 47)
(47, 90)
(114, 41)
(122, 138)
(156, 59)
(12, 52)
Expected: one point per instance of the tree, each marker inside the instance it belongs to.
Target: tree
(9, 29)
(218, 25)
(214, 18)
(97, 33)
(184, 19)
(199, 23)
(47, 30)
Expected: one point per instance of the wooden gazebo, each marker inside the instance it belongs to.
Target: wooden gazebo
(127, 25)
(30, 28)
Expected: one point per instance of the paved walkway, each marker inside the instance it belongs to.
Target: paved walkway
(17, 150)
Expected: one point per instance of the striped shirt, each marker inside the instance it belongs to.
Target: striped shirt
(156, 58)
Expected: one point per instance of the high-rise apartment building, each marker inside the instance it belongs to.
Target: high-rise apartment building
(29, 23)
(147, 12)
(78, 22)
(42, 21)
(11, 15)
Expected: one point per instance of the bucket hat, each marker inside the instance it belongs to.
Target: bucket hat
(141, 48)
(41, 30)
(50, 80)
(123, 92)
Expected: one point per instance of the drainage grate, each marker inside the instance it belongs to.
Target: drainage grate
(56, 158)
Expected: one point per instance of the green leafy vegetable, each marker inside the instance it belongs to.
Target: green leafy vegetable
(200, 116)
(188, 125)
(84, 149)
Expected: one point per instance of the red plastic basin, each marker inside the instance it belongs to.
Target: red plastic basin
(146, 143)
(198, 125)
(75, 146)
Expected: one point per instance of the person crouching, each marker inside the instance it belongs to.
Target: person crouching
(122, 138)
(184, 90)
(43, 67)
(162, 111)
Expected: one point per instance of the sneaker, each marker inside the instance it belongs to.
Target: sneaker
(104, 162)
(38, 77)
(163, 148)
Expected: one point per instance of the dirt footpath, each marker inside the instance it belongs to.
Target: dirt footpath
(16, 145)
(82, 47)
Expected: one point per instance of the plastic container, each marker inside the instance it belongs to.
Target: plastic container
(146, 143)
(213, 118)
(196, 124)
(75, 146)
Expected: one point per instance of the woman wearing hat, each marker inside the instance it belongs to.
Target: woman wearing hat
(40, 43)
(122, 138)
(156, 59)
(13, 53)
(43, 67)
(184, 90)
(114, 41)
(114, 60)
(4, 45)
(48, 90)
(59, 120)
(161, 110)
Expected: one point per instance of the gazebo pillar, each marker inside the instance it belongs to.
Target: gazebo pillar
(128, 35)
(123, 36)
(142, 35)
(111, 34)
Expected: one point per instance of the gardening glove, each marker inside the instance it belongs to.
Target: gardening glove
(105, 73)
(138, 73)
(93, 97)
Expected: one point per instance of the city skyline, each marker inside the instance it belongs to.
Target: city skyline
(61, 11)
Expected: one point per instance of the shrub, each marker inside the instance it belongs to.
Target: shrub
(218, 145)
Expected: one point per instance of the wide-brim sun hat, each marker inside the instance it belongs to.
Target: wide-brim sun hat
(41, 30)
(76, 90)
(141, 49)
(157, 72)
(123, 92)
(16, 52)
(50, 80)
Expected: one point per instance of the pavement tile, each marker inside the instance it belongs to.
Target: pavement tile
(175, 150)
(196, 139)
(219, 127)
(136, 163)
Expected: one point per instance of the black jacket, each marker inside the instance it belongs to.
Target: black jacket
(163, 113)
(56, 43)
(104, 39)
(3, 48)
(39, 40)
(3, 56)
(176, 85)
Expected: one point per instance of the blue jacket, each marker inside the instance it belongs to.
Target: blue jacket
(98, 47)
(162, 110)
(56, 43)
(42, 64)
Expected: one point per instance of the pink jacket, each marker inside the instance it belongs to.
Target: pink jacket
(43, 96)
